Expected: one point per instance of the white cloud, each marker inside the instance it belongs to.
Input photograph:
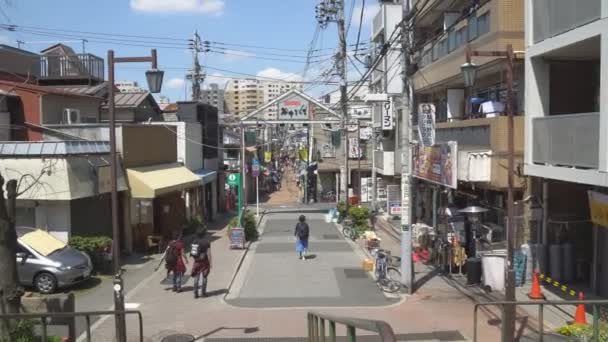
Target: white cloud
(212, 7)
(278, 74)
(176, 83)
(218, 78)
(235, 55)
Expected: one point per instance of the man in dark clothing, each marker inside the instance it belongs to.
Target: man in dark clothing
(200, 251)
(302, 232)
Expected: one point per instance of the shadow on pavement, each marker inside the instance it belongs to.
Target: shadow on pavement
(246, 330)
(310, 256)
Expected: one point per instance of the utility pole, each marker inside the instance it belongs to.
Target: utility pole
(333, 10)
(196, 75)
(407, 265)
(19, 43)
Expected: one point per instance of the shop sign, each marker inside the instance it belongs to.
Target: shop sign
(237, 238)
(598, 205)
(437, 164)
(267, 157)
(294, 107)
(388, 121)
(394, 209)
(360, 112)
(328, 151)
(354, 150)
(367, 187)
(366, 133)
(426, 124)
(233, 179)
(393, 199)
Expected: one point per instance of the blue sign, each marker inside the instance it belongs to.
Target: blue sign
(255, 167)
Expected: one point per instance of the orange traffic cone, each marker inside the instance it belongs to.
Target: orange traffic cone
(536, 292)
(580, 317)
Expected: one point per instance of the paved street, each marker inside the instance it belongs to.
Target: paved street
(273, 291)
(273, 276)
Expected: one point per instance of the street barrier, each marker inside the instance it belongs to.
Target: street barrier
(316, 328)
(595, 304)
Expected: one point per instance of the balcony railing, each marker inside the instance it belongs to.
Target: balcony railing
(567, 140)
(455, 37)
(553, 17)
(79, 66)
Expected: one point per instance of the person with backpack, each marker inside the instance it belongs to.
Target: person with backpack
(175, 261)
(301, 232)
(200, 251)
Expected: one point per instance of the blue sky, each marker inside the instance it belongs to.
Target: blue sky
(282, 24)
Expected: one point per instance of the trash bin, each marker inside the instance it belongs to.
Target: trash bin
(473, 271)
(493, 265)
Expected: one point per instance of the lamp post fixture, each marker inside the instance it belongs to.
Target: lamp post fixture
(473, 214)
(469, 72)
(155, 80)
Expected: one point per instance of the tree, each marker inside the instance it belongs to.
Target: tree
(10, 291)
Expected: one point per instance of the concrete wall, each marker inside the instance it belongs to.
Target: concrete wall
(53, 216)
(53, 105)
(189, 143)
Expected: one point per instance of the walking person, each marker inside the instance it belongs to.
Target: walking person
(302, 232)
(175, 261)
(200, 251)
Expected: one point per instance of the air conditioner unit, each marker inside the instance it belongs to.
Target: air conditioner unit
(71, 116)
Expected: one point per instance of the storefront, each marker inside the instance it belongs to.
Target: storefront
(160, 198)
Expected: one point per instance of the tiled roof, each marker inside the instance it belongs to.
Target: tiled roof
(98, 90)
(130, 100)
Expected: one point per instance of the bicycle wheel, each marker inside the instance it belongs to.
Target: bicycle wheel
(393, 274)
(389, 286)
(348, 232)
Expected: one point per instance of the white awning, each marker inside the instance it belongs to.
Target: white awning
(474, 164)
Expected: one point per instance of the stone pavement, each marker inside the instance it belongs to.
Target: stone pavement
(288, 192)
(331, 276)
(437, 313)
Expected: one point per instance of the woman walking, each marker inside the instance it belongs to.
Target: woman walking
(175, 261)
(302, 231)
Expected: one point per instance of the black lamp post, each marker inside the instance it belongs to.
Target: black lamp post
(155, 80)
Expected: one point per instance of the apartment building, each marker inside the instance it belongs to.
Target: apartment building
(243, 96)
(566, 136)
(214, 96)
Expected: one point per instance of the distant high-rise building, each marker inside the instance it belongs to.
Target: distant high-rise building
(214, 96)
(243, 96)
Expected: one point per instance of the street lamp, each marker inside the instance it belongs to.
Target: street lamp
(469, 73)
(155, 80)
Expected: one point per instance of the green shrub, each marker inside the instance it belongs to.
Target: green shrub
(192, 226)
(23, 331)
(250, 225)
(359, 217)
(94, 246)
(579, 330)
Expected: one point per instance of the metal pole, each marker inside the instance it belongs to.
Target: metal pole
(257, 196)
(374, 175)
(407, 265)
(509, 319)
(243, 190)
(359, 159)
(118, 283)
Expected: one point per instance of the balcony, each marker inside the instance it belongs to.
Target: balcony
(567, 140)
(554, 17)
(72, 67)
(385, 162)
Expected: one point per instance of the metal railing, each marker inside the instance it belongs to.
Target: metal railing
(595, 304)
(317, 332)
(45, 317)
(85, 66)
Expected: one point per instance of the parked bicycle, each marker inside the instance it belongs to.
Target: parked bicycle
(388, 277)
(329, 196)
(348, 230)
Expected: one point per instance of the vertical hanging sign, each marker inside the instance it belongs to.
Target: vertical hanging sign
(388, 121)
(426, 124)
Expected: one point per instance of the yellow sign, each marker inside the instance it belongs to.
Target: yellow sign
(598, 205)
(303, 154)
(267, 157)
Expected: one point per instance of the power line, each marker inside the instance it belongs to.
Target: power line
(260, 57)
